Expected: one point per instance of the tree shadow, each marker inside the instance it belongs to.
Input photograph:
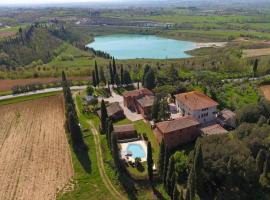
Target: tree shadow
(83, 157)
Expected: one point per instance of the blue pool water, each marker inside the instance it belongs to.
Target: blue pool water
(130, 46)
(136, 150)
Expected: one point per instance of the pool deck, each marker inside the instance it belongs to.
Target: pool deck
(125, 145)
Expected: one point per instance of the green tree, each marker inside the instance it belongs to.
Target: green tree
(190, 195)
(111, 73)
(165, 165)
(122, 75)
(109, 132)
(181, 166)
(115, 152)
(260, 161)
(126, 78)
(155, 109)
(116, 79)
(150, 80)
(94, 82)
(104, 116)
(114, 67)
(176, 194)
(169, 176)
(102, 75)
(172, 74)
(96, 73)
(266, 167)
(149, 162)
(255, 67)
(161, 158)
(146, 69)
(198, 166)
(89, 90)
(163, 113)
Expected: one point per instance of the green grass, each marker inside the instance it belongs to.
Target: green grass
(27, 98)
(88, 185)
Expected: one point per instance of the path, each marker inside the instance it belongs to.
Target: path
(107, 182)
(41, 92)
(101, 167)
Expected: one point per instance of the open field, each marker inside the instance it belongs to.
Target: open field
(34, 152)
(266, 91)
(256, 52)
(7, 84)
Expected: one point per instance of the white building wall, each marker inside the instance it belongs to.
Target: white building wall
(203, 116)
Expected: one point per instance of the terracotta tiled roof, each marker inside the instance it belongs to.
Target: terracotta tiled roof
(112, 109)
(135, 93)
(177, 124)
(196, 100)
(124, 128)
(213, 130)
(146, 101)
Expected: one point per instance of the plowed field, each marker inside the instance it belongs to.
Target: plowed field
(35, 159)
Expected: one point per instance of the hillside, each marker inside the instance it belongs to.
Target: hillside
(37, 43)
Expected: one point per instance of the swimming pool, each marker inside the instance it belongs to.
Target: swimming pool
(136, 150)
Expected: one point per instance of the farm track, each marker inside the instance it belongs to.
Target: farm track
(35, 159)
(106, 180)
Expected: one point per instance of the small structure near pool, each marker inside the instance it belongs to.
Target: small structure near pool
(125, 132)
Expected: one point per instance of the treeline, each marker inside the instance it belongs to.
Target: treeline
(116, 76)
(72, 122)
(98, 53)
(37, 42)
(27, 88)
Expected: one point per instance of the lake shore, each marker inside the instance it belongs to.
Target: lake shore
(210, 44)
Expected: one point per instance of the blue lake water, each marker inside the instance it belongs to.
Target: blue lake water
(131, 46)
(136, 150)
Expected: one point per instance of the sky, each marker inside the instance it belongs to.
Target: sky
(49, 1)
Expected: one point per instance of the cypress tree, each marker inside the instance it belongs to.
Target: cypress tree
(176, 194)
(104, 116)
(255, 66)
(166, 161)
(122, 75)
(126, 78)
(146, 69)
(96, 73)
(94, 82)
(169, 177)
(198, 166)
(115, 151)
(114, 67)
(161, 158)
(155, 109)
(150, 80)
(149, 162)
(111, 73)
(190, 195)
(260, 161)
(266, 168)
(109, 132)
(116, 79)
(102, 75)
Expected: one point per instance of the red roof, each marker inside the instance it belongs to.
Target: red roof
(177, 124)
(196, 100)
(135, 93)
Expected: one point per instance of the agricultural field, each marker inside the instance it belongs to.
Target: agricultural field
(256, 52)
(34, 151)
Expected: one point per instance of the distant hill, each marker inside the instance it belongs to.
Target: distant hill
(37, 43)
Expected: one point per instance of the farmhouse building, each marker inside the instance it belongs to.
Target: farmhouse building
(177, 132)
(214, 129)
(139, 101)
(198, 105)
(115, 112)
(124, 132)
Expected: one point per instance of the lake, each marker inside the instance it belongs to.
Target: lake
(141, 46)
